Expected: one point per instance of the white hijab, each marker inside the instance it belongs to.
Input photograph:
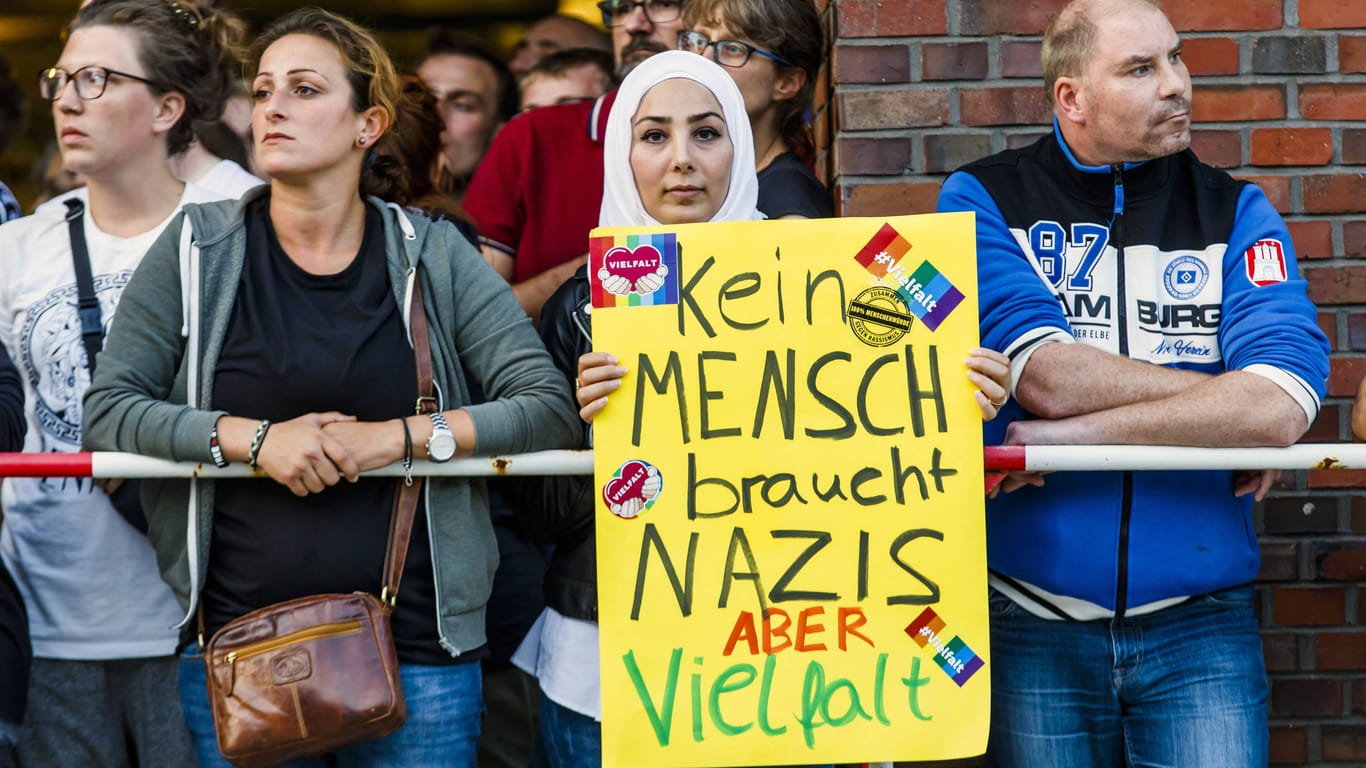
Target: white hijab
(621, 205)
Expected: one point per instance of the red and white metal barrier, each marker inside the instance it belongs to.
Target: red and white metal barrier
(1049, 458)
(101, 464)
(1042, 458)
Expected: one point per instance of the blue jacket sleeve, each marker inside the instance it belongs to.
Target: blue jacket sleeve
(1269, 326)
(1018, 310)
(12, 424)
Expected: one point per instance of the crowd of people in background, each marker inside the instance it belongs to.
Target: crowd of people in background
(292, 193)
(260, 240)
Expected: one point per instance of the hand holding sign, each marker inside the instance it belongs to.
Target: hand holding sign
(598, 376)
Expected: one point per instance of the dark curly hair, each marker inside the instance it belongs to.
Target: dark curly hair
(191, 47)
(404, 158)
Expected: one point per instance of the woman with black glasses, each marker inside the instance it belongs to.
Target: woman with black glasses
(131, 79)
(772, 49)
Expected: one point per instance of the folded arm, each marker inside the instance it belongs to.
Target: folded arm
(1065, 380)
(1232, 409)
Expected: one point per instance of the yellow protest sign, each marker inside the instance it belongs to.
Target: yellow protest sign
(790, 526)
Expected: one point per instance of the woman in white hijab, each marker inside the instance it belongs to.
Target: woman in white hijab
(660, 108)
(677, 150)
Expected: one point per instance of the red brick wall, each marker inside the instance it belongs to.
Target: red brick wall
(915, 88)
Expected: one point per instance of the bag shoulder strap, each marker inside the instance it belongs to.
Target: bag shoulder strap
(405, 504)
(87, 305)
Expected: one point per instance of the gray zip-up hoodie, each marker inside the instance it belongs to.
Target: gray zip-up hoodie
(136, 402)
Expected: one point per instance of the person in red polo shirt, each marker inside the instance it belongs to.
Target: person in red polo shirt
(537, 193)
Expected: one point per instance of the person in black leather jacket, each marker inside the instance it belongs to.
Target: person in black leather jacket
(563, 514)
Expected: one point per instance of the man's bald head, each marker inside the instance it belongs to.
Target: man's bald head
(1120, 90)
(1071, 36)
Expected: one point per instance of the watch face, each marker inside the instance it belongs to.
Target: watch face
(441, 446)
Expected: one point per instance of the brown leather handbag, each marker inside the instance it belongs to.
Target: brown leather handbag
(309, 676)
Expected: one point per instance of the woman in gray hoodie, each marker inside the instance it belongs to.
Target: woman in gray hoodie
(275, 331)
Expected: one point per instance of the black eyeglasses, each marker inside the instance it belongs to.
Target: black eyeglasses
(614, 12)
(728, 53)
(89, 81)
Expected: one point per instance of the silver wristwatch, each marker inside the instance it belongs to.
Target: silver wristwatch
(441, 445)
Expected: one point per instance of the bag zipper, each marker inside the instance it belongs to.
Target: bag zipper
(334, 629)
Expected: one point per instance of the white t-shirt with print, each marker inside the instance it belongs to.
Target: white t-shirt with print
(90, 580)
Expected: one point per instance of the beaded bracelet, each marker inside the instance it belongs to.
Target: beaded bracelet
(261, 430)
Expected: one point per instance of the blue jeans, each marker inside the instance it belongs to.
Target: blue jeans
(567, 739)
(442, 729)
(1183, 686)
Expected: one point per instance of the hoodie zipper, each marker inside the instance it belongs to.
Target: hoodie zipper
(1117, 238)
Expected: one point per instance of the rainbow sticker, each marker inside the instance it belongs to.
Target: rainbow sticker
(927, 293)
(633, 270)
(952, 655)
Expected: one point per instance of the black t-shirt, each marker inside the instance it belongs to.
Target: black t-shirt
(788, 187)
(299, 343)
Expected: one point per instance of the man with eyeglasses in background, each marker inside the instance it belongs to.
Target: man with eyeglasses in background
(537, 192)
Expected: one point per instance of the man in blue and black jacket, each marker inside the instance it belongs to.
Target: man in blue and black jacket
(1143, 298)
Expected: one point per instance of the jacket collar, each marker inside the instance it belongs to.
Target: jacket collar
(1096, 183)
(212, 222)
